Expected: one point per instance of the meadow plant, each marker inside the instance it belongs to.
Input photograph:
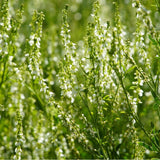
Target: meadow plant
(96, 100)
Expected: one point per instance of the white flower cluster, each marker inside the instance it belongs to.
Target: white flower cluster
(138, 92)
(142, 34)
(20, 140)
(67, 78)
(34, 56)
(139, 82)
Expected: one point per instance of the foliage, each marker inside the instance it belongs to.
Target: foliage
(96, 98)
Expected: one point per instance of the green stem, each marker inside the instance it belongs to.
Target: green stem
(100, 143)
(136, 117)
(86, 104)
(144, 77)
(95, 124)
(3, 75)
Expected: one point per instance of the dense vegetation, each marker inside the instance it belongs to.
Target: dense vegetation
(79, 83)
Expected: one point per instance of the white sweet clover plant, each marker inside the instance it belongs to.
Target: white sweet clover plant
(94, 81)
(105, 83)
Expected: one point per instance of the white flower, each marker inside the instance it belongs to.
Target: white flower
(139, 9)
(26, 55)
(140, 93)
(72, 99)
(32, 36)
(1, 24)
(133, 4)
(22, 96)
(38, 42)
(6, 52)
(9, 27)
(31, 42)
(141, 82)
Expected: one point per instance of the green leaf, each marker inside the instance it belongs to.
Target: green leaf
(106, 98)
(153, 40)
(130, 69)
(147, 146)
(132, 87)
(154, 148)
(152, 125)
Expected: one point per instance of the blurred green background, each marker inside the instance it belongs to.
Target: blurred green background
(79, 14)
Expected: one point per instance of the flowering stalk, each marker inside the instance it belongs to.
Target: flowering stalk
(34, 61)
(20, 138)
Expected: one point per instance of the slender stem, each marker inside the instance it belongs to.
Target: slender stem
(85, 103)
(100, 143)
(136, 117)
(139, 70)
(95, 124)
(3, 75)
(158, 6)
